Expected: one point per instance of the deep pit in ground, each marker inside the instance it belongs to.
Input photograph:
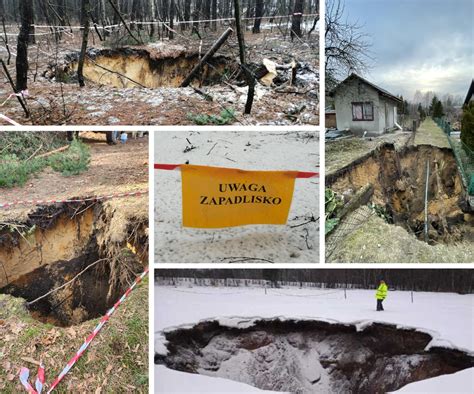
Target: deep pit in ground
(399, 179)
(130, 67)
(57, 243)
(307, 356)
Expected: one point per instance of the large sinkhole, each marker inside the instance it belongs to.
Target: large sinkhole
(135, 67)
(62, 242)
(307, 356)
(397, 179)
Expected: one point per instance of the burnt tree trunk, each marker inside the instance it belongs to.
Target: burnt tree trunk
(214, 14)
(215, 47)
(296, 19)
(172, 8)
(207, 12)
(196, 16)
(26, 16)
(187, 14)
(85, 10)
(238, 28)
(136, 14)
(248, 13)
(258, 16)
(248, 74)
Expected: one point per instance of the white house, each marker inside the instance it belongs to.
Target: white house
(362, 107)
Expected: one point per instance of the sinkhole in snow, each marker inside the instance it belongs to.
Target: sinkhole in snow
(130, 67)
(307, 356)
(398, 182)
(53, 246)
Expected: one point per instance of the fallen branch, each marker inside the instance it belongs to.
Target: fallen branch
(19, 97)
(208, 153)
(245, 259)
(116, 72)
(206, 96)
(215, 47)
(63, 148)
(34, 153)
(312, 220)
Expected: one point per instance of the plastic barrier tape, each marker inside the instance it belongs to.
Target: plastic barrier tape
(24, 372)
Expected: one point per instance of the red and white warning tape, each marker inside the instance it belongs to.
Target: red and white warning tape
(54, 201)
(24, 373)
(9, 120)
(300, 174)
(23, 93)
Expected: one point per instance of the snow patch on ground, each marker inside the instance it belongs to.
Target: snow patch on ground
(166, 382)
(450, 324)
(459, 382)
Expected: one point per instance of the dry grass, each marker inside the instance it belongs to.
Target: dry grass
(430, 134)
(117, 360)
(379, 242)
(342, 153)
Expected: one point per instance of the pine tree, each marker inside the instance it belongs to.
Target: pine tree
(438, 111)
(467, 125)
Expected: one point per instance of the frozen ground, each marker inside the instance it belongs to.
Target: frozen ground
(447, 317)
(248, 150)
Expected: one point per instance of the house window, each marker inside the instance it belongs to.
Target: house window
(363, 111)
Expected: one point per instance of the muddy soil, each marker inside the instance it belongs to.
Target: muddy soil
(398, 178)
(311, 356)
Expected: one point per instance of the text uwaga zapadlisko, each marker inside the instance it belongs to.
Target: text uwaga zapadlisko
(239, 199)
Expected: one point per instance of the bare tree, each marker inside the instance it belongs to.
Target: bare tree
(85, 10)
(347, 46)
(26, 15)
(296, 19)
(259, 5)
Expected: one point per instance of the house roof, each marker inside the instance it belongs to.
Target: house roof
(381, 91)
(470, 92)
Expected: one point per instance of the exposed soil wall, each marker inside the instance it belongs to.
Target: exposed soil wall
(311, 356)
(398, 179)
(92, 244)
(55, 237)
(141, 66)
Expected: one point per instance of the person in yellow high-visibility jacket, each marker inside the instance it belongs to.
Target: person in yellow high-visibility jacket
(381, 294)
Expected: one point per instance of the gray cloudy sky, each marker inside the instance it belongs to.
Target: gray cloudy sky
(418, 44)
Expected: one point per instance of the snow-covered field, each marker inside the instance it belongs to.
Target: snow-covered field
(247, 150)
(448, 317)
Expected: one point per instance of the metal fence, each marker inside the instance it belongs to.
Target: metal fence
(463, 155)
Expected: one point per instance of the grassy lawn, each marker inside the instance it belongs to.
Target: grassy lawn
(430, 134)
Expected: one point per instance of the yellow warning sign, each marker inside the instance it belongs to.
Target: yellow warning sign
(215, 197)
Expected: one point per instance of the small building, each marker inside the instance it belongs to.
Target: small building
(330, 118)
(362, 107)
